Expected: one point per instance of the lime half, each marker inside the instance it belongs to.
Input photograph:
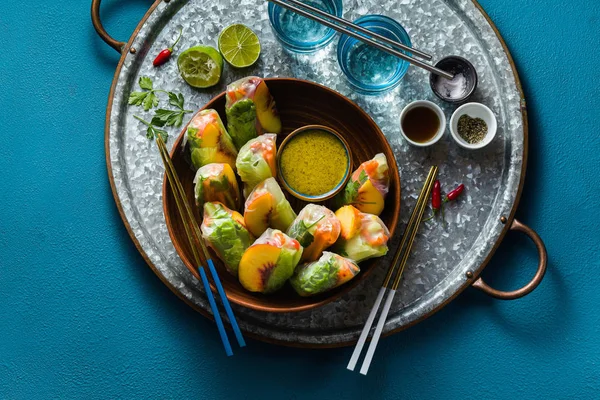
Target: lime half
(239, 45)
(200, 66)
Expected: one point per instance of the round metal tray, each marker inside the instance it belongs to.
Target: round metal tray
(445, 259)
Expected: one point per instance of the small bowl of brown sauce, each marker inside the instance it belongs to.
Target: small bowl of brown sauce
(422, 123)
(473, 126)
(314, 163)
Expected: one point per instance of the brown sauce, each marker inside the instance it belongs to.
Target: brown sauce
(420, 124)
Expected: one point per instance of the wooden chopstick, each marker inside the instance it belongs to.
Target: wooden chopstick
(211, 266)
(194, 236)
(407, 239)
(301, 8)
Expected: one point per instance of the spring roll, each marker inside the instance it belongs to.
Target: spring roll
(330, 271)
(250, 110)
(225, 232)
(208, 140)
(316, 228)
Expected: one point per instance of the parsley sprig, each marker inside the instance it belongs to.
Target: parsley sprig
(147, 99)
(153, 131)
(303, 236)
(164, 117)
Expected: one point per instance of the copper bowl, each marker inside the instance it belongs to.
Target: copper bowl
(299, 103)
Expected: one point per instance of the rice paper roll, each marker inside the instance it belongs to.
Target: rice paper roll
(330, 271)
(368, 186)
(225, 232)
(250, 110)
(316, 228)
(269, 262)
(217, 182)
(266, 206)
(208, 140)
(362, 236)
(256, 161)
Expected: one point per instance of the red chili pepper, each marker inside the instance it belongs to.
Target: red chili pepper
(436, 196)
(436, 199)
(455, 193)
(165, 55)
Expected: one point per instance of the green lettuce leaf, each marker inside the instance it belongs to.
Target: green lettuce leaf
(322, 275)
(252, 168)
(286, 264)
(226, 236)
(241, 122)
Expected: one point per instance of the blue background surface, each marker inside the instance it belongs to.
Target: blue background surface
(81, 315)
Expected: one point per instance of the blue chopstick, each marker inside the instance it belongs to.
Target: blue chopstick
(228, 310)
(215, 311)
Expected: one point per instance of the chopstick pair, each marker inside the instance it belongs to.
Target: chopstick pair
(194, 236)
(365, 35)
(407, 239)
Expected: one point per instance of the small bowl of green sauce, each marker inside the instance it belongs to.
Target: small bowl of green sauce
(314, 163)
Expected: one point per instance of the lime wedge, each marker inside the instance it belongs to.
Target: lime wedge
(239, 45)
(200, 66)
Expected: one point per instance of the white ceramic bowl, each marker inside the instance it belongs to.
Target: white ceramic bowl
(474, 110)
(439, 113)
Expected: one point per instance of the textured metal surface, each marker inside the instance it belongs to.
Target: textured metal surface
(441, 255)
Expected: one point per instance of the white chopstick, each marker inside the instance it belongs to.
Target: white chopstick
(408, 239)
(365, 332)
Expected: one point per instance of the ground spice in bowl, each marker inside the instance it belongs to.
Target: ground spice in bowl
(472, 130)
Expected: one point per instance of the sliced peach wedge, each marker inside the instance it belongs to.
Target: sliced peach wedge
(369, 199)
(266, 206)
(266, 111)
(350, 221)
(269, 262)
(258, 212)
(257, 265)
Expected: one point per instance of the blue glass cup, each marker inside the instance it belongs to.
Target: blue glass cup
(300, 34)
(370, 70)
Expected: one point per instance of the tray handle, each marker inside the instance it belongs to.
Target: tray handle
(115, 44)
(539, 275)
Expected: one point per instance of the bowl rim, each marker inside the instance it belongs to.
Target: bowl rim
(491, 122)
(395, 189)
(338, 187)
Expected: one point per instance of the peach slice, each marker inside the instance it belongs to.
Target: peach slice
(320, 242)
(258, 213)
(257, 265)
(266, 111)
(211, 135)
(221, 157)
(369, 199)
(350, 221)
(239, 218)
